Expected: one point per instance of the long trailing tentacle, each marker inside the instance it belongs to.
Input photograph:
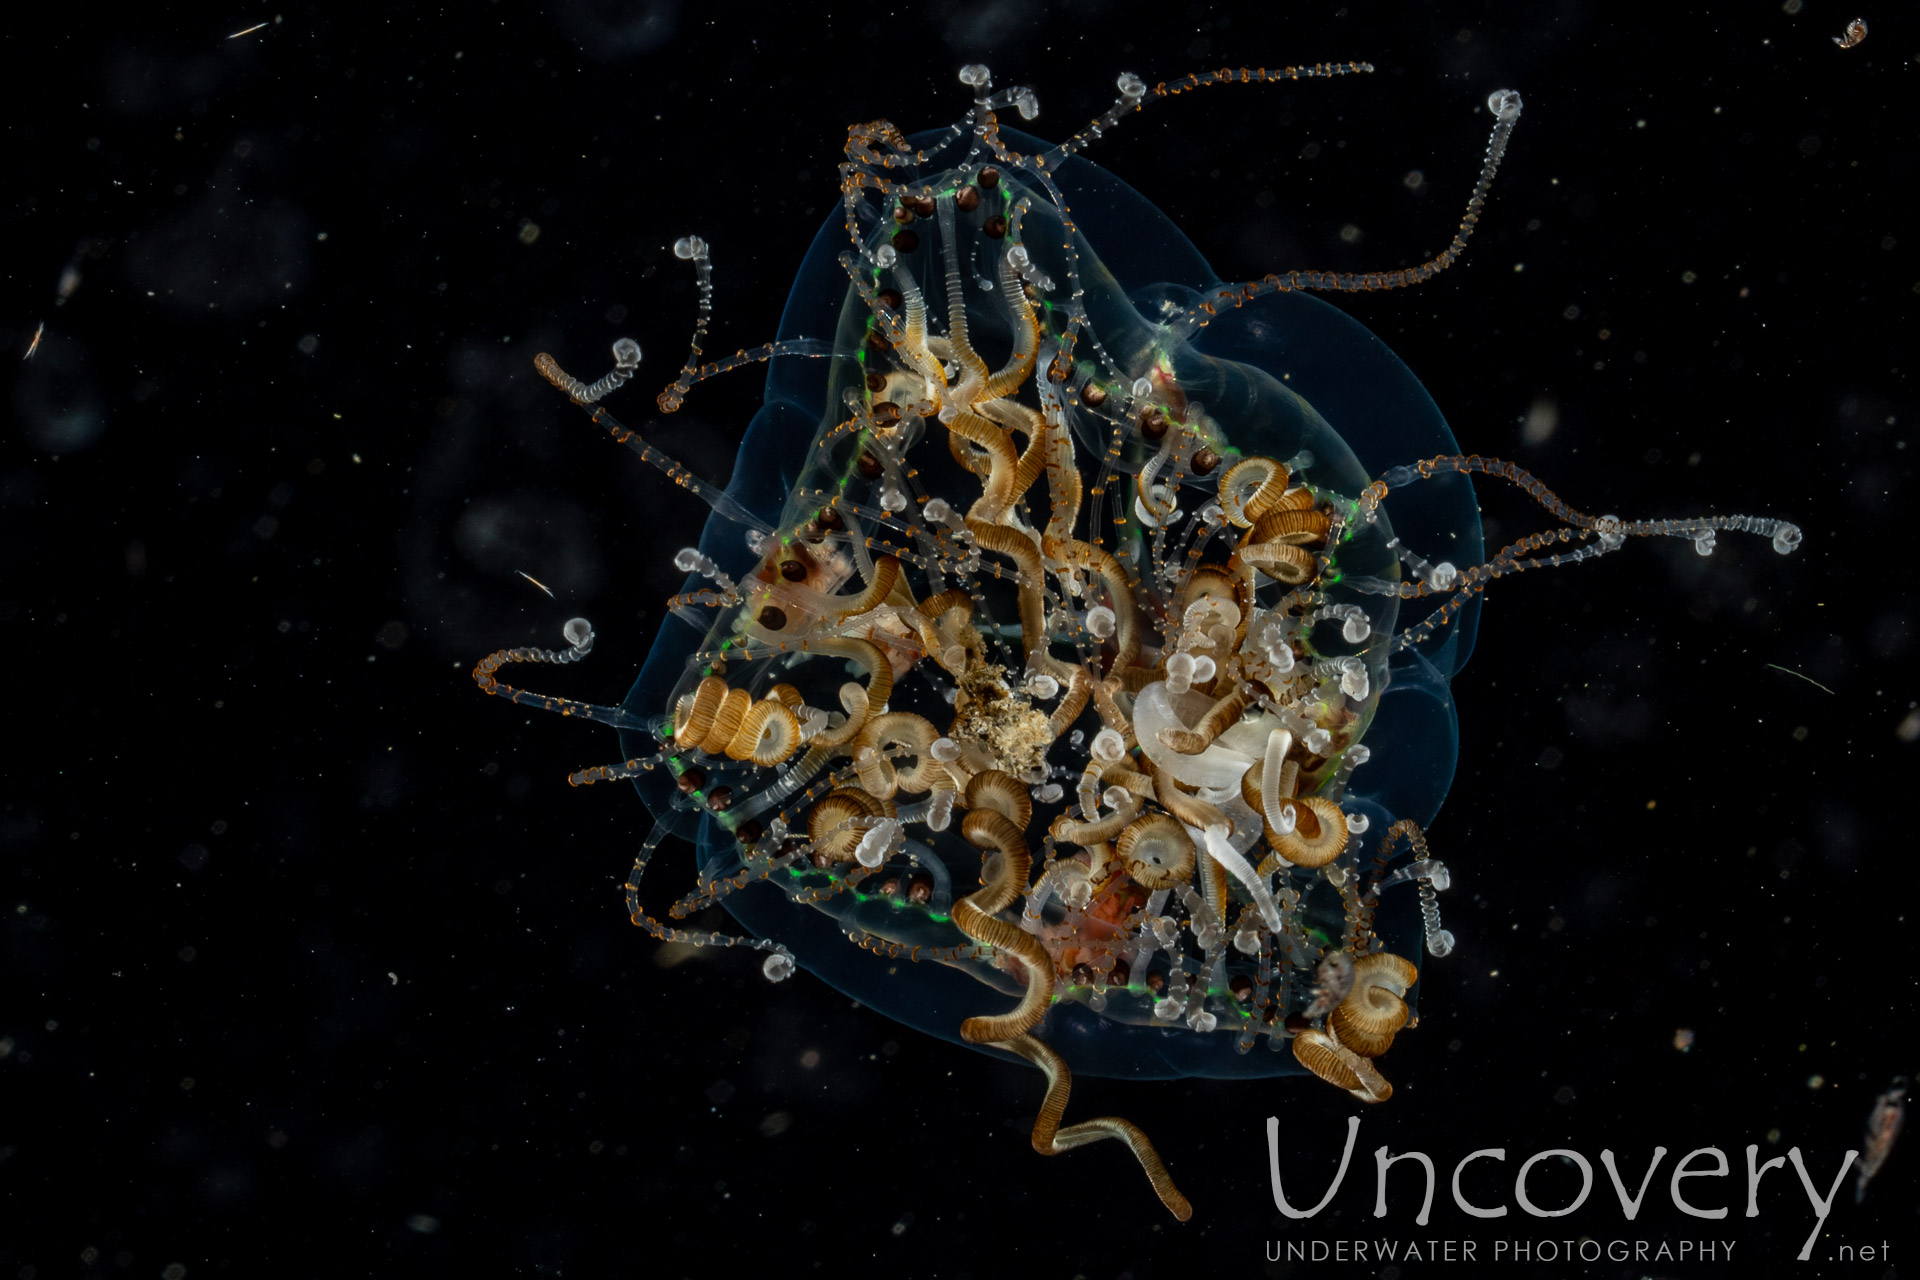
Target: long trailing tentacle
(579, 634)
(1134, 95)
(779, 963)
(1504, 104)
(1049, 1139)
(715, 497)
(1608, 534)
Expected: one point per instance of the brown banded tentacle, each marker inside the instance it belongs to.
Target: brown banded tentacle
(1019, 548)
(879, 685)
(1064, 483)
(1319, 837)
(768, 734)
(970, 456)
(1122, 774)
(1295, 526)
(935, 608)
(973, 369)
(1033, 457)
(997, 494)
(727, 719)
(905, 733)
(1250, 489)
(1101, 562)
(1003, 793)
(976, 916)
(1011, 376)
(1070, 830)
(829, 824)
(874, 770)
(1079, 685)
(886, 573)
(1050, 1139)
(1110, 714)
(1280, 561)
(1157, 851)
(694, 715)
(1220, 717)
(1192, 810)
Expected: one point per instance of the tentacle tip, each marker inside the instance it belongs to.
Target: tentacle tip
(550, 369)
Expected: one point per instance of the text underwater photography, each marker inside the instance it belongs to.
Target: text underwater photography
(1133, 767)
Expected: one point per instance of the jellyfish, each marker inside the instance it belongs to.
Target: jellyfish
(1064, 668)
